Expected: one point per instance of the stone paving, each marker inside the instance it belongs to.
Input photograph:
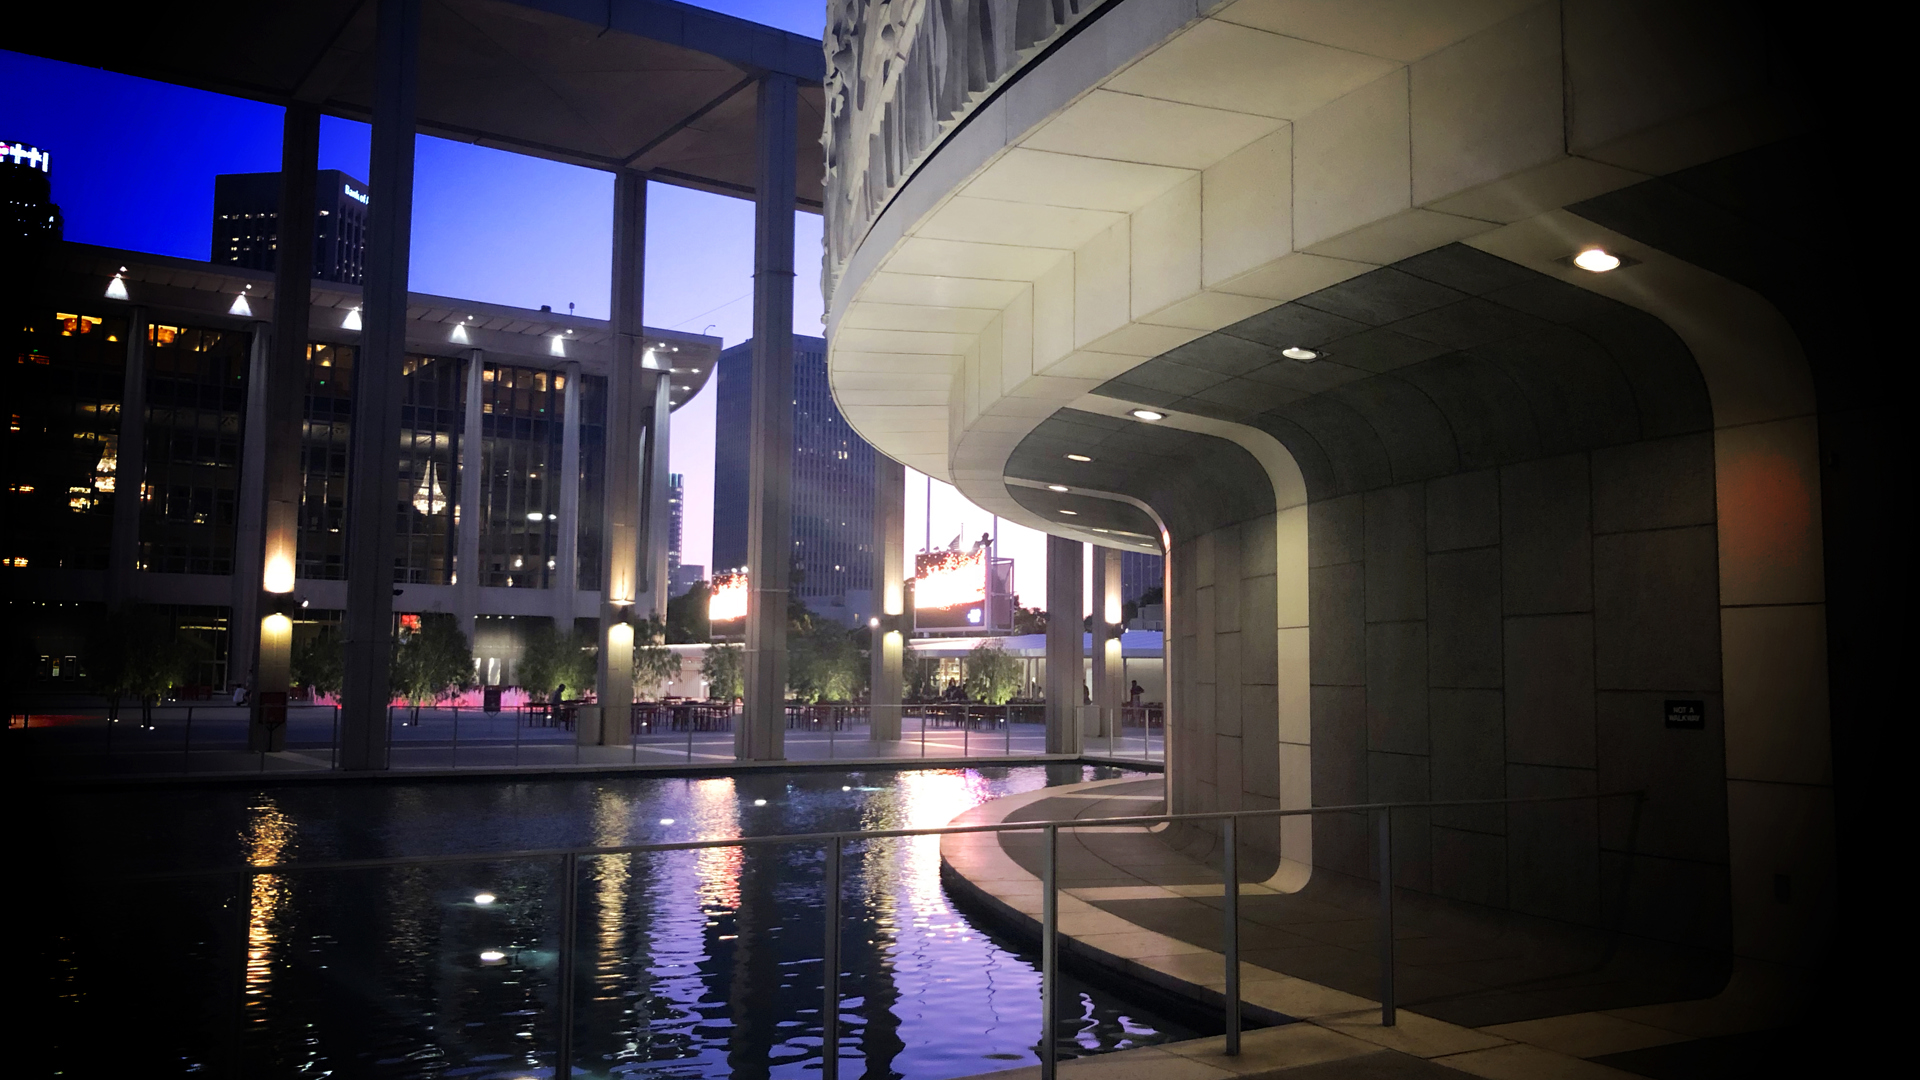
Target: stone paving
(1481, 992)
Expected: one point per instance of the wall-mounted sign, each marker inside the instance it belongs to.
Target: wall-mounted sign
(360, 197)
(727, 602)
(1687, 714)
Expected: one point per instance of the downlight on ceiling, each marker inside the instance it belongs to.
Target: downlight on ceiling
(1295, 352)
(1056, 487)
(1078, 457)
(1148, 415)
(1597, 260)
(1071, 513)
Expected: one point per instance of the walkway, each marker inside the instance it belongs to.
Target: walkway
(1482, 992)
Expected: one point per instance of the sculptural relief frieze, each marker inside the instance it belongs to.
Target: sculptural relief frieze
(901, 76)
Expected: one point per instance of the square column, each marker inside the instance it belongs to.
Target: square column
(264, 577)
(628, 387)
(373, 488)
(566, 587)
(655, 514)
(123, 544)
(1109, 690)
(761, 733)
(1064, 686)
(889, 591)
(466, 533)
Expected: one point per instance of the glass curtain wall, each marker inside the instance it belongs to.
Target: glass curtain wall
(431, 419)
(521, 429)
(324, 440)
(196, 400)
(61, 467)
(593, 478)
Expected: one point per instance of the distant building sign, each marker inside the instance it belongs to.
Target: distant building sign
(355, 194)
(950, 588)
(33, 157)
(1687, 714)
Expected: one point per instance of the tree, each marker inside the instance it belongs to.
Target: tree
(137, 652)
(552, 659)
(992, 675)
(319, 663)
(687, 616)
(722, 668)
(653, 663)
(430, 663)
(824, 662)
(1028, 620)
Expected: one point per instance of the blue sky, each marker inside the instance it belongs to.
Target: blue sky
(133, 167)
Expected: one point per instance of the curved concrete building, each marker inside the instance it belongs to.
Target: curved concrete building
(1296, 290)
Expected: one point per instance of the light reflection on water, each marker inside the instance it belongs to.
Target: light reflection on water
(692, 963)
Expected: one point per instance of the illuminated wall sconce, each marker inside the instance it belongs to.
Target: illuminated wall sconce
(240, 306)
(352, 321)
(117, 288)
(278, 576)
(557, 345)
(459, 335)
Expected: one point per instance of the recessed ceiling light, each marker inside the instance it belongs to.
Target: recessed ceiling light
(1056, 487)
(1148, 414)
(1597, 260)
(1078, 457)
(1295, 352)
(1071, 513)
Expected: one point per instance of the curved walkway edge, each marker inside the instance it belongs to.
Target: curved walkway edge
(1318, 1025)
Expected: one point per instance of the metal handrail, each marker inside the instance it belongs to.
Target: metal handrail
(834, 844)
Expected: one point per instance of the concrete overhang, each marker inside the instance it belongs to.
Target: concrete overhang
(661, 88)
(1177, 167)
(168, 287)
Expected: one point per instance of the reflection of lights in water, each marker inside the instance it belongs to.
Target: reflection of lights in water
(268, 836)
(716, 816)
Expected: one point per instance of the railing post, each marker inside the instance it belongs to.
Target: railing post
(923, 731)
(1230, 941)
(333, 750)
(1006, 713)
(830, 967)
(1386, 917)
(456, 737)
(1049, 953)
(691, 714)
(966, 730)
(563, 1054)
(186, 746)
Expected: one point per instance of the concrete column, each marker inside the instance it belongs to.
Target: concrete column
(620, 509)
(130, 470)
(263, 593)
(1109, 682)
(656, 515)
(466, 534)
(761, 734)
(373, 487)
(245, 603)
(566, 574)
(1064, 686)
(889, 594)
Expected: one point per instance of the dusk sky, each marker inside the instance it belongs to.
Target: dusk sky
(488, 225)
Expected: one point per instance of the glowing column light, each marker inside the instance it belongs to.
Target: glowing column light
(728, 600)
(278, 577)
(557, 345)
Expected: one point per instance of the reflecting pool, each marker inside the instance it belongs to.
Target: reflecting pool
(687, 963)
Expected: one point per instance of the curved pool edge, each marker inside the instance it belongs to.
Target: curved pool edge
(979, 870)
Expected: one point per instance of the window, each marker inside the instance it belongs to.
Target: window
(520, 429)
(61, 468)
(196, 399)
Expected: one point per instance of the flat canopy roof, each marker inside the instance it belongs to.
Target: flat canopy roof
(654, 86)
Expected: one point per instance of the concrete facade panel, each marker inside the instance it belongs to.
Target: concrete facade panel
(1545, 543)
(1549, 690)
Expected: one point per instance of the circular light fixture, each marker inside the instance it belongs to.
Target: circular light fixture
(1056, 487)
(666, 821)
(1295, 352)
(1071, 513)
(485, 898)
(1148, 414)
(844, 787)
(759, 802)
(1078, 457)
(1597, 260)
(492, 956)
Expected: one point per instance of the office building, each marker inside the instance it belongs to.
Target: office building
(1140, 574)
(832, 482)
(676, 515)
(148, 396)
(246, 223)
(26, 191)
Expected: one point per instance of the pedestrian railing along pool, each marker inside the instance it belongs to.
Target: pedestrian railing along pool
(253, 883)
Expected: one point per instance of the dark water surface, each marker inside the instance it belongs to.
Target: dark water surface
(688, 964)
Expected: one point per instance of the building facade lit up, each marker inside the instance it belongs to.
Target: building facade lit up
(246, 223)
